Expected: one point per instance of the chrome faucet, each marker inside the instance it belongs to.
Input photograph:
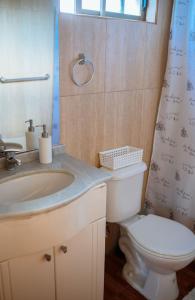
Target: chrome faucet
(9, 150)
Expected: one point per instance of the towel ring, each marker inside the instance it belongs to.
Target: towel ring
(82, 61)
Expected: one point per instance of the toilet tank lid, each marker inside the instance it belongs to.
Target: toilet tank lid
(127, 172)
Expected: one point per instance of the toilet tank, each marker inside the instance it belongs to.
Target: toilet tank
(124, 192)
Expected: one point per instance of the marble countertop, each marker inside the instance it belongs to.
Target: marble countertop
(86, 177)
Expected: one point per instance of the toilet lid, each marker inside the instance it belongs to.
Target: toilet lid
(163, 236)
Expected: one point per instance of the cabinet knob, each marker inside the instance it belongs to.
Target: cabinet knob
(47, 257)
(64, 249)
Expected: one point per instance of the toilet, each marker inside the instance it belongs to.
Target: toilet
(154, 247)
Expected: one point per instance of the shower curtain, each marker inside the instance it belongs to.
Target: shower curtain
(171, 182)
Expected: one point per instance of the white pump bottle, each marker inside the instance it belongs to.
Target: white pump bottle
(45, 146)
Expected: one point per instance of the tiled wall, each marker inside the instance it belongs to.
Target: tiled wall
(119, 106)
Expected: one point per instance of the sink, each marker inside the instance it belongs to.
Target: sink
(33, 186)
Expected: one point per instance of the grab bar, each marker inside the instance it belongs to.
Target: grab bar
(24, 79)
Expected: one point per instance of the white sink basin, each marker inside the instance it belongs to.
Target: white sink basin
(33, 186)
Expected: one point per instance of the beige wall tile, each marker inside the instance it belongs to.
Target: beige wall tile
(126, 115)
(157, 37)
(82, 123)
(125, 55)
(122, 118)
(82, 35)
(91, 123)
(130, 119)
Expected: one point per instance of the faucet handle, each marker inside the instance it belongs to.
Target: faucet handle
(1, 140)
(11, 161)
(9, 149)
(12, 150)
(12, 147)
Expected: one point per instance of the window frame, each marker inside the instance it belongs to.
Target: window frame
(103, 13)
(81, 11)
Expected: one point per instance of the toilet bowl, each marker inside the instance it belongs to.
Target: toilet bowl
(154, 247)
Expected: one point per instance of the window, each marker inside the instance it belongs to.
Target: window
(126, 9)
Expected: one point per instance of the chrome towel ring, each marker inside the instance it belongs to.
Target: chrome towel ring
(82, 61)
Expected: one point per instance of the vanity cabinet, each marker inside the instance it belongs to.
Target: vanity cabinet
(64, 260)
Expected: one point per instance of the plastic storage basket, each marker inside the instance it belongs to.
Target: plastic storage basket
(120, 157)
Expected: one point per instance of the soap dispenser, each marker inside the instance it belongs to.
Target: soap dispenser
(31, 138)
(45, 146)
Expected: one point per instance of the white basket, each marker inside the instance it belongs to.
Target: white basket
(120, 157)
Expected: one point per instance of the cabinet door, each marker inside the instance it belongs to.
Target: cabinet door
(1, 287)
(32, 277)
(5, 284)
(80, 265)
(99, 235)
(74, 267)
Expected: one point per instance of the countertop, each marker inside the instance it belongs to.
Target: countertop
(86, 177)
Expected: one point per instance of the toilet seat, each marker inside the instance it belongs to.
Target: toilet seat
(162, 237)
(166, 258)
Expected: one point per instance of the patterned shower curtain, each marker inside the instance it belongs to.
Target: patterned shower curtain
(171, 183)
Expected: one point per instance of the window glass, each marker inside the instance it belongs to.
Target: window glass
(132, 7)
(91, 4)
(113, 6)
(127, 9)
(67, 6)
